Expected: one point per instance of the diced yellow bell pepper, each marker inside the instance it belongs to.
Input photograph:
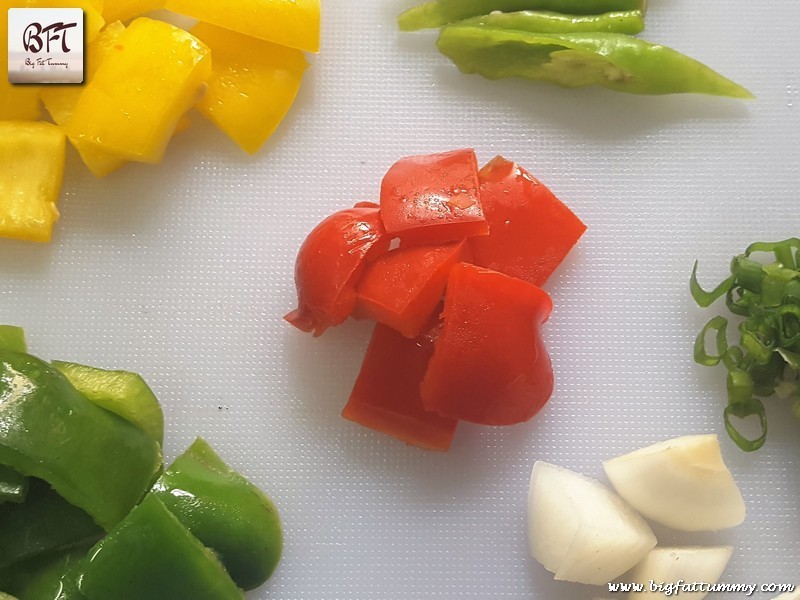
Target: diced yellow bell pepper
(253, 84)
(140, 91)
(60, 102)
(122, 10)
(31, 171)
(293, 23)
(19, 102)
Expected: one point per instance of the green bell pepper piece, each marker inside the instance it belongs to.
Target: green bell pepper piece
(150, 555)
(13, 485)
(629, 21)
(225, 512)
(13, 338)
(441, 12)
(124, 393)
(91, 457)
(43, 523)
(52, 576)
(611, 60)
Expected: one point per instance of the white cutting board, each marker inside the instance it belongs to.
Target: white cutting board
(182, 271)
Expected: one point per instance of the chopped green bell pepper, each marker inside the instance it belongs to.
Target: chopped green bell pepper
(150, 555)
(629, 21)
(441, 12)
(224, 511)
(124, 393)
(52, 576)
(13, 485)
(43, 523)
(13, 338)
(91, 457)
(611, 60)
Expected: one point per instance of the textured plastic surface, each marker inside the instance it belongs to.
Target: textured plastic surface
(182, 272)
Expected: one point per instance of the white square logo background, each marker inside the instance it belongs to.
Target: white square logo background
(45, 45)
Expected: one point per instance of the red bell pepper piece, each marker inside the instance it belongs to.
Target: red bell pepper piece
(489, 363)
(404, 287)
(329, 264)
(530, 230)
(386, 394)
(433, 198)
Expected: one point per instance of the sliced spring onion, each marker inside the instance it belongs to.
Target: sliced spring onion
(766, 361)
(704, 298)
(742, 411)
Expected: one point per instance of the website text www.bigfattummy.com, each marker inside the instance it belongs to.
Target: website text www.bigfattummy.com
(675, 588)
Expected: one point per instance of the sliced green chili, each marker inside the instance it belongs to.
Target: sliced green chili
(611, 60)
(441, 12)
(629, 21)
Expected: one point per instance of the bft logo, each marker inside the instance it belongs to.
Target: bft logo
(45, 45)
(33, 41)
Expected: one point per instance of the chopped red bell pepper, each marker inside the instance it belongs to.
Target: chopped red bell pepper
(386, 394)
(404, 287)
(530, 230)
(329, 264)
(433, 198)
(489, 363)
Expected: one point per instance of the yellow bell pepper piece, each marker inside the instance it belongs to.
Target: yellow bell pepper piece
(253, 84)
(60, 102)
(293, 23)
(140, 91)
(31, 171)
(18, 102)
(122, 10)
